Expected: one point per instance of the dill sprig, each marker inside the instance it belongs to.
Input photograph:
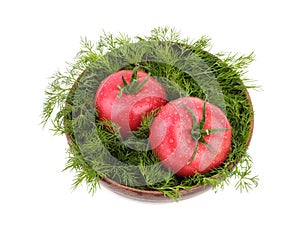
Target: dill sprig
(96, 150)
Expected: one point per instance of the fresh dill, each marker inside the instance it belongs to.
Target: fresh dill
(97, 150)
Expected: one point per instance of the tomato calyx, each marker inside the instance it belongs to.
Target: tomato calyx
(134, 86)
(198, 132)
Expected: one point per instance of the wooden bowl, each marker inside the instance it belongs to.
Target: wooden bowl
(154, 195)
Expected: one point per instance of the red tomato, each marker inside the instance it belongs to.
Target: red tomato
(190, 136)
(125, 96)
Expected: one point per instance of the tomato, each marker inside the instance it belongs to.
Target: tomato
(126, 96)
(190, 136)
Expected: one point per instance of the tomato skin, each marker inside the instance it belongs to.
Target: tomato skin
(171, 139)
(126, 110)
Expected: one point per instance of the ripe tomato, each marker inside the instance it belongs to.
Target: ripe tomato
(190, 136)
(125, 96)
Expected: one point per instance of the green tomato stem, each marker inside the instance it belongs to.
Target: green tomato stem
(198, 132)
(134, 86)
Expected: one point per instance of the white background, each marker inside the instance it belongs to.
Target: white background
(38, 37)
